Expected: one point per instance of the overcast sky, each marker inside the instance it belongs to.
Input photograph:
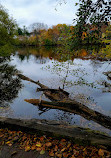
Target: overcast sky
(27, 12)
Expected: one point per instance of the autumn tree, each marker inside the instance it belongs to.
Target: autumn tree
(92, 14)
(35, 29)
(56, 34)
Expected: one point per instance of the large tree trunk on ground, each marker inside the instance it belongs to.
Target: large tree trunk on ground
(34, 125)
(76, 108)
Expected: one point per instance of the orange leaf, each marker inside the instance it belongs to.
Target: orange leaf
(59, 155)
(63, 140)
(72, 156)
(38, 148)
(51, 153)
(33, 147)
(63, 149)
(101, 152)
(48, 144)
(56, 148)
(68, 145)
(27, 148)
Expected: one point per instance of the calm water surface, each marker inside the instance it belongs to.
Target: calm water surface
(82, 78)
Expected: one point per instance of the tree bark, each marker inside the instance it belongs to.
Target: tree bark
(63, 102)
(52, 94)
(36, 126)
(76, 108)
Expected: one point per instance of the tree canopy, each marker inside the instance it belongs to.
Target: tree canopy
(7, 30)
(91, 16)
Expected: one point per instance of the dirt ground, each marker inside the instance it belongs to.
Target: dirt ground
(15, 152)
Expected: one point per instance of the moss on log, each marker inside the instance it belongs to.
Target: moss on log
(75, 132)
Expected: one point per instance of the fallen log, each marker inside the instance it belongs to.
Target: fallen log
(53, 90)
(66, 104)
(52, 94)
(76, 108)
(28, 79)
(78, 133)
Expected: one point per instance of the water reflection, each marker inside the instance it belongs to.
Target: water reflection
(82, 78)
(9, 83)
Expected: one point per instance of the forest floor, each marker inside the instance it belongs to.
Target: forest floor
(18, 144)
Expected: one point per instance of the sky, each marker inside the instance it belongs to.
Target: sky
(27, 12)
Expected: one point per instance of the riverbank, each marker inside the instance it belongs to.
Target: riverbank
(57, 128)
(25, 141)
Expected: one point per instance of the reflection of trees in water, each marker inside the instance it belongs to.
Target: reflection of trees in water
(21, 57)
(56, 53)
(41, 55)
(66, 117)
(9, 83)
(96, 65)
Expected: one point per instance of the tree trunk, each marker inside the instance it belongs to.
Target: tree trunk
(36, 126)
(76, 108)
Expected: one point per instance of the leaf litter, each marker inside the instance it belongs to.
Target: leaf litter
(57, 148)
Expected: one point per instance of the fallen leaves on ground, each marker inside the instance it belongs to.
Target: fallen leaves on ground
(62, 148)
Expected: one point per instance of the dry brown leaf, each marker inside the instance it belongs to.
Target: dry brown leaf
(101, 152)
(65, 154)
(48, 144)
(38, 148)
(68, 145)
(63, 149)
(1, 135)
(55, 148)
(63, 140)
(51, 153)
(33, 147)
(59, 155)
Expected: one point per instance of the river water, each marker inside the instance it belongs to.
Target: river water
(82, 77)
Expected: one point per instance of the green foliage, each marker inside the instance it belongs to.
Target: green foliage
(104, 53)
(91, 16)
(20, 31)
(108, 32)
(6, 50)
(7, 32)
(23, 32)
(48, 42)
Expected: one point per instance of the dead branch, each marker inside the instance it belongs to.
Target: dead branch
(76, 108)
